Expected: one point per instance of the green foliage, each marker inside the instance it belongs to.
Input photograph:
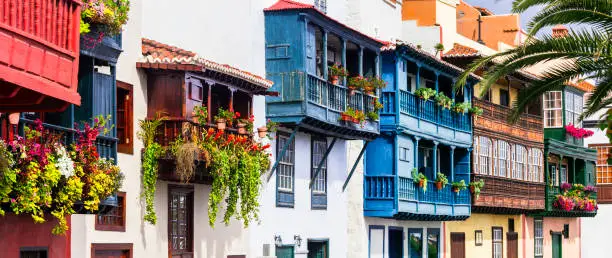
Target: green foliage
(461, 107)
(476, 111)
(226, 115)
(372, 115)
(476, 186)
(377, 82)
(151, 154)
(201, 114)
(425, 93)
(443, 101)
(338, 70)
(110, 14)
(419, 178)
(358, 83)
(458, 186)
(441, 177)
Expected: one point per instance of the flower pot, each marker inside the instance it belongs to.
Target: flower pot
(334, 79)
(421, 183)
(439, 185)
(472, 189)
(241, 128)
(14, 118)
(355, 120)
(262, 131)
(221, 124)
(455, 190)
(345, 117)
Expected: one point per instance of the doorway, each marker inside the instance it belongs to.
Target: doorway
(396, 242)
(318, 249)
(457, 245)
(556, 245)
(512, 244)
(284, 251)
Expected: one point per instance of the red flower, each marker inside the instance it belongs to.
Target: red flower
(265, 146)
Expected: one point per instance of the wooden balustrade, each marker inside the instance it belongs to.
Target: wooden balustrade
(428, 110)
(506, 194)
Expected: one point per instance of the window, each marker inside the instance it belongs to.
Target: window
(124, 118)
(519, 160)
(33, 252)
(504, 97)
(403, 154)
(553, 175)
(180, 219)
(538, 235)
(111, 250)
(552, 109)
(503, 156)
(285, 172)
(535, 165)
(415, 244)
(573, 108)
(113, 220)
(433, 243)
(498, 242)
(563, 174)
(318, 249)
(484, 155)
(604, 171)
(319, 186)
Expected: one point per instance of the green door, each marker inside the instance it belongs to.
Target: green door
(284, 251)
(556, 245)
(317, 249)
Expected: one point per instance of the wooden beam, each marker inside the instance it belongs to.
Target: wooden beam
(354, 166)
(321, 162)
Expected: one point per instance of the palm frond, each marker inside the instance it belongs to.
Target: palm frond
(595, 13)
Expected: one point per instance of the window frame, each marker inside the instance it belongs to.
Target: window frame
(504, 101)
(317, 195)
(557, 111)
(128, 146)
(603, 171)
(189, 192)
(129, 247)
(34, 249)
(121, 197)
(484, 157)
(574, 105)
(500, 241)
(288, 164)
(519, 162)
(538, 239)
(507, 150)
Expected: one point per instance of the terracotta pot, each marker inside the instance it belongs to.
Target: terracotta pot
(439, 185)
(345, 117)
(262, 131)
(472, 189)
(334, 79)
(14, 118)
(221, 124)
(241, 128)
(355, 120)
(455, 190)
(421, 183)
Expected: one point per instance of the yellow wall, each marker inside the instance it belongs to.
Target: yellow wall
(495, 92)
(483, 222)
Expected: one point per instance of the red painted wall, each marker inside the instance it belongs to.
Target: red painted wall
(20, 231)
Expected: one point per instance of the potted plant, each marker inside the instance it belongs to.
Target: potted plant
(441, 180)
(269, 127)
(347, 115)
(461, 107)
(424, 93)
(356, 83)
(377, 105)
(443, 101)
(475, 188)
(420, 179)
(476, 112)
(245, 126)
(223, 118)
(439, 48)
(372, 115)
(200, 114)
(458, 186)
(359, 117)
(100, 18)
(336, 73)
(377, 83)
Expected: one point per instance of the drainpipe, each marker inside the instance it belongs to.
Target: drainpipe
(480, 29)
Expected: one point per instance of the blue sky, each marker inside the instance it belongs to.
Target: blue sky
(503, 7)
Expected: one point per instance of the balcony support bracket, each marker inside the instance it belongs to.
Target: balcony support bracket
(348, 178)
(322, 162)
(283, 150)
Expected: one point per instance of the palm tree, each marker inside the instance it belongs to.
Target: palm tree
(585, 54)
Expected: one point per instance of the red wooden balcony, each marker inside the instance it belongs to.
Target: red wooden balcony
(504, 195)
(39, 50)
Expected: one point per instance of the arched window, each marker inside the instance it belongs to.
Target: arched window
(484, 153)
(519, 161)
(503, 158)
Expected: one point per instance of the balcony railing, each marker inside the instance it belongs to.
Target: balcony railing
(504, 194)
(383, 187)
(337, 97)
(502, 113)
(106, 146)
(428, 110)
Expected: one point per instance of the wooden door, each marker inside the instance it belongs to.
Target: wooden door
(512, 244)
(556, 245)
(396, 243)
(457, 245)
(317, 249)
(284, 252)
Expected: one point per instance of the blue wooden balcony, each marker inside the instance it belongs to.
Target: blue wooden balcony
(317, 105)
(398, 197)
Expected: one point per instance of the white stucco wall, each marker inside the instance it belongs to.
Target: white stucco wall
(425, 36)
(380, 19)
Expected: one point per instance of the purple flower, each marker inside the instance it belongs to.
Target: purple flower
(566, 186)
(590, 189)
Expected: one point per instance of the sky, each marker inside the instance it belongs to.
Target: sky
(503, 7)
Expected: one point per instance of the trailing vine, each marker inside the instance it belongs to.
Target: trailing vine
(151, 154)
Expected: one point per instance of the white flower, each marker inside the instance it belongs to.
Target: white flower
(64, 163)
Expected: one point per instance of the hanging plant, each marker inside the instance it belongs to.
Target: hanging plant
(152, 152)
(420, 179)
(578, 133)
(425, 93)
(475, 188)
(461, 107)
(110, 15)
(458, 186)
(443, 101)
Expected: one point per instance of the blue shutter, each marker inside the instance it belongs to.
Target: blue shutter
(311, 52)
